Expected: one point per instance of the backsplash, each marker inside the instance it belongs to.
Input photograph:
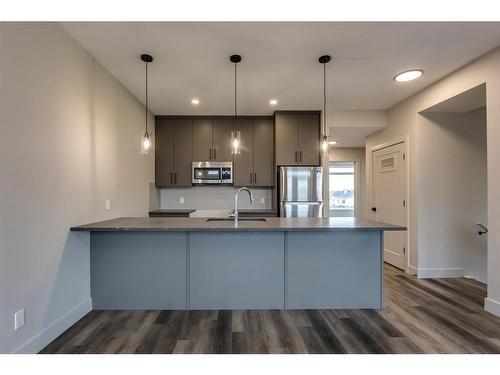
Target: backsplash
(213, 198)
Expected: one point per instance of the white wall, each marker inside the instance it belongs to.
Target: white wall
(453, 189)
(356, 154)
(69, 140)
(403, 120)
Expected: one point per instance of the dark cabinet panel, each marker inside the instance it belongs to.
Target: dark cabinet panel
(263, 135)
(308, 124)
(202, 139)
(243, 162)
(286, 138)
(164, 151)
(183, 146)
(221, 138)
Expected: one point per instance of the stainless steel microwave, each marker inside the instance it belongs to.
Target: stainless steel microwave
(212, 172)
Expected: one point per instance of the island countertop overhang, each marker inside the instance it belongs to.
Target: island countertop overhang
(279, 224)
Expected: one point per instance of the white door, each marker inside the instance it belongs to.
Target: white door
(389, 199)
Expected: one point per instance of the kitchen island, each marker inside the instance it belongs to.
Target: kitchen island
(258, 263)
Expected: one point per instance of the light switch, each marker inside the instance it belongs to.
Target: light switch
(19, 319)
(108, 204)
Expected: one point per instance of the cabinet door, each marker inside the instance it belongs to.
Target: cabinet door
(308, 134)
(286, 138)
(183, 152)
(263, 130)
(243, 162)
(202, 139)
(164, 153)
(221, 138)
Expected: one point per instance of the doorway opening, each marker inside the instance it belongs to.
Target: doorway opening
(453, 197)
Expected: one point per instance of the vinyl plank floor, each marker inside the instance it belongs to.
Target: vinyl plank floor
(419, 316)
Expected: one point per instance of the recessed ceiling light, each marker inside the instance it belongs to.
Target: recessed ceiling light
(273, 101)
(195, 101)
(409, 75)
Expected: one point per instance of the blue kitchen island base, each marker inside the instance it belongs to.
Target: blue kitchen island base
(237, 269)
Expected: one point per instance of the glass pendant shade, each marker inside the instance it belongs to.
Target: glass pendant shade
(324, 144)
(145, 143)
(235, 142)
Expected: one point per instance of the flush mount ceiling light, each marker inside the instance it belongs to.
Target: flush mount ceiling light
(273, 102)
(325, 59)
(235, 134)
(409, 75)
(146, 136)
(195, 101)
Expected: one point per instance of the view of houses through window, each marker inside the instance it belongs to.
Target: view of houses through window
(342, 194)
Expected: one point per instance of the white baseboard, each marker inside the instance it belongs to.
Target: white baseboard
(48, 334)
(492, 306)
(412, 270)
(436, 273)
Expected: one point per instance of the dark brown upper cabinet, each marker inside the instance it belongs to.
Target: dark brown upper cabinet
(297, 137)
(255, 164)
(212, 139)
(174, 149)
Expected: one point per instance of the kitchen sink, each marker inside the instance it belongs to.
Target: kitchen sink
(240, 219)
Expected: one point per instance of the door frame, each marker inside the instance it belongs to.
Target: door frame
(405, 140)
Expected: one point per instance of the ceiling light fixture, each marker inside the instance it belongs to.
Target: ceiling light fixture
(273, 102)
(409, 75)
(195, 101)
(325, 59)
(235, 134)
(146, 136)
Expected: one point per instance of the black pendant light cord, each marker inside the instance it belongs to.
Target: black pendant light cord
(147, 99)
(324, 99)
(235, 96)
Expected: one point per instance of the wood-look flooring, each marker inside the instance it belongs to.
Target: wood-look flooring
(420, 316)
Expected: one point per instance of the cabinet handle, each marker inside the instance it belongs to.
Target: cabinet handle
(215, 153)
(175, 178)
(210, 153)
(251, 178)
(255, 178)
(170, 177)
(296, 158)
(300, 156)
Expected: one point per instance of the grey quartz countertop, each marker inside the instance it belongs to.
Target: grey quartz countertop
(164, 224)
(171, 212)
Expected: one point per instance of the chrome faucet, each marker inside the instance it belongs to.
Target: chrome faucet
(236, 201)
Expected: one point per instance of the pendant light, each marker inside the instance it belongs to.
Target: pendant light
(145, 135)
(235, 134)
(325, 59)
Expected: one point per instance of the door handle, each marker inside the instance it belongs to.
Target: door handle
(374, 209)
(300, 156)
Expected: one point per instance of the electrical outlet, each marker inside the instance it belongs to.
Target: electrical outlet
(181, 200)
(18, 319)
(262, 200)
(108, 204)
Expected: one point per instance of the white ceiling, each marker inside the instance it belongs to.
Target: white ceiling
(280, 61)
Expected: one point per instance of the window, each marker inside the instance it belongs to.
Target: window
(342, 194)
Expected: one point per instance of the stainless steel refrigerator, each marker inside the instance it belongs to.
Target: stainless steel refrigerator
(301, 192)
